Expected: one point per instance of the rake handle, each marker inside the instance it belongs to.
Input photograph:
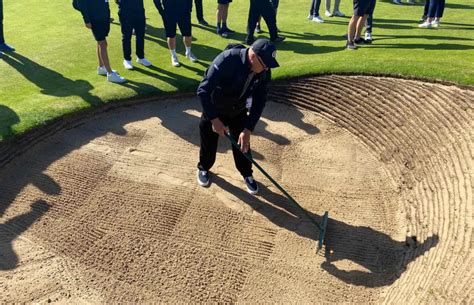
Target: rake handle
(249, 157)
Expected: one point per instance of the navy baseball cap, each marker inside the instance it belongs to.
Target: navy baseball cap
(266, 50)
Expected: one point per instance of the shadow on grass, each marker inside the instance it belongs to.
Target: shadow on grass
(8, 118)
(307, 48)
(439, 46)
(383, 258)
(49, 81)
(429, 37)
(459, 6)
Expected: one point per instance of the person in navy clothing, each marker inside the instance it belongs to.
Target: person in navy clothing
(96, 15)
(177, 13)
(233, 94)
(132, 20)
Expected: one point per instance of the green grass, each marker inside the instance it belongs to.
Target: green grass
(53, 71)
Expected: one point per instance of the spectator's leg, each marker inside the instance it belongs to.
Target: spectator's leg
(208, 149)
(351, 30)
(368, 24)
(139, 25)
(432, 10)
(126, 25)
(268, 14)
(103, 55)
(199, 10)
(360, 26)
(440, 10)
(254, 14)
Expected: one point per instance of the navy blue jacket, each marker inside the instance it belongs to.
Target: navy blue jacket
(221, 90)
(130, 6)
(97, 10)
(173, 7)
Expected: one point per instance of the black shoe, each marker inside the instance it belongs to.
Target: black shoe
(227, 30)
(221, 32)
(203, 22)
(278, 39)
(252, 186)
(203, 177)
(258, 29)
(360, 40)
(249, 41)
(350, 45)
(423, 19)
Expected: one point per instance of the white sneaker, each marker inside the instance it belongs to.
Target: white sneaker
(328, 13)
(101, 71)
(175, 61)
(318, 19)
(310, 17)
(127, 64)
(144, 61)
(191, 56)
(114, 77)
(338, 14)
(435, 24)
(368, 36)
(425, 25)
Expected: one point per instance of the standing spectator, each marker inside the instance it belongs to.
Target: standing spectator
(96, 15)
(434, 15)
(336, 12)
(234, 77)
(177, 13)
(362, 9)
(222, 12)
(369, 25)
(3, 46)
(132, 20)
(200, 13)
(314, 11)
(265, 9)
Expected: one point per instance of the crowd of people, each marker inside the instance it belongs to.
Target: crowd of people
(234, 89)
(177, 14)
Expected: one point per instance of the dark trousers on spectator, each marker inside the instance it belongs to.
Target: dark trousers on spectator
(314, 10)
(199, 11)
(129, 23)
(209, 141)
(265, 9)
(434, 8)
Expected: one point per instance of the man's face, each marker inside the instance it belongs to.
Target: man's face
(256, 62)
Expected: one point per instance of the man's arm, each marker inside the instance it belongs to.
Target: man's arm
(259, 99)
(219, 68)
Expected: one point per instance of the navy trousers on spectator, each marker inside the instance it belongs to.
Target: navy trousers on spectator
(265, 9)
(128, 23)
(314, 10)
(434, 8)
(198, 7)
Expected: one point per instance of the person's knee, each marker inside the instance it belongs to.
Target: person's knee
(102, 43)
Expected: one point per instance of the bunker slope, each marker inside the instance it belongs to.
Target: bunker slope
(108, 209)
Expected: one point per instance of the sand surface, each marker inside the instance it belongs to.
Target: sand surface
(108, 209)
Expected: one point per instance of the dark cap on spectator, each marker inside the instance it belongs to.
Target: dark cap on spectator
(266, 50)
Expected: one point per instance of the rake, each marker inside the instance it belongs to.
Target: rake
(321, 226)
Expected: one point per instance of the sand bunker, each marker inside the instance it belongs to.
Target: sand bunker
(107, 208)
